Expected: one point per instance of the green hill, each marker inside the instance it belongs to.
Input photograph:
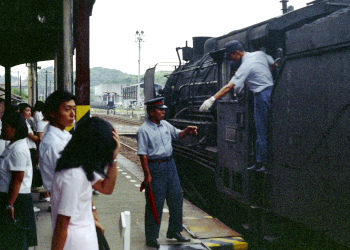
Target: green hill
(98, 75)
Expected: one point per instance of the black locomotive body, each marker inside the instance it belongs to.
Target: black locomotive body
(308, 182)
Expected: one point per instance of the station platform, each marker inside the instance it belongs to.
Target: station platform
(204, 231)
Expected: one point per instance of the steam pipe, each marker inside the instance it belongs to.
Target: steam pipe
(178, 55)
(284, 6)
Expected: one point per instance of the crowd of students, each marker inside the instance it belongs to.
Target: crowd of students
(36, 150)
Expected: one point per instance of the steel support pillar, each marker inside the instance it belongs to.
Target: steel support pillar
(7, 87)
(82, 87)
(32, 83)
(65, 51)
(83, 53)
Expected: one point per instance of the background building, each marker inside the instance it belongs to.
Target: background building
(108, 95)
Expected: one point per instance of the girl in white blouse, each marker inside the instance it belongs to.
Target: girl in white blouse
(82, 166)
(16, 178)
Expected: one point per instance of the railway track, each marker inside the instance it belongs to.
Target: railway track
(128, 141)
(127, 146)
(120, 119)
(129, 149)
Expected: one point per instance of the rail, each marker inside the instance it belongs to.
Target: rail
(126, 145)
(119, 118)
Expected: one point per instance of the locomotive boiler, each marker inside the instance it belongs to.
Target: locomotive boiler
(308, 181)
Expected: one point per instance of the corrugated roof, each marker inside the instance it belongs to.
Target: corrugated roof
(30, 30)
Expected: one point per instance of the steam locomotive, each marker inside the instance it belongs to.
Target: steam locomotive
(308, 181)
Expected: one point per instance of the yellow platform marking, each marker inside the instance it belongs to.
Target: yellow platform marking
(81, 111)
(199, 229)
(237, 243)
(196, 218)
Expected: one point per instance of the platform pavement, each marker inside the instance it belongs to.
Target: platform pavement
(126, 197)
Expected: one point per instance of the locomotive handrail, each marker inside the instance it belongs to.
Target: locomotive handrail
(192, 68)
(191, 121)
(197, 83)
(182, 110)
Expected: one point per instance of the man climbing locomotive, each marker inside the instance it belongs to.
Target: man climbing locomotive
(255, 72)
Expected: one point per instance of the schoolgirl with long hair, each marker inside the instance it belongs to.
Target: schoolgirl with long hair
(87, 162)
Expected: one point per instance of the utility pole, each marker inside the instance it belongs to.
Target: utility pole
(46, 86)
(139, 40)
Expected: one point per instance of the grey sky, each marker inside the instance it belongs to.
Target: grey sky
(166, 25)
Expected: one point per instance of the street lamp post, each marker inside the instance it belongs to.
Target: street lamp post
(139, 40)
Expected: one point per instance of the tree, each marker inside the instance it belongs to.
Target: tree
(22, 93)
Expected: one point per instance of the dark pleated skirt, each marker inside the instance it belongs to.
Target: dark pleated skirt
(37, 180)
(25, 217)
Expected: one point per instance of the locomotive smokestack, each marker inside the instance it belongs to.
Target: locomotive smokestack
(284, 6)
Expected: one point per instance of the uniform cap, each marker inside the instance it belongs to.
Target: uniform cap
(232, 46)
(156, 102)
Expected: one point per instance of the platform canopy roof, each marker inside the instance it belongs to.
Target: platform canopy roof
(30, 30)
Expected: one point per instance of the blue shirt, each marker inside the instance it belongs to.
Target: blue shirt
(255, 71)
(155, 140)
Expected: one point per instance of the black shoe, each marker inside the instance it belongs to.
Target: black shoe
(255, 167)
(263, 169)
(153, 243)
(177, 236)
(259, 167)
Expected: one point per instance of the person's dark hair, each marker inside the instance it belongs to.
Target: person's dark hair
(54, 101)
(17, 121)
(23, 106)
(12, 108)
(39, 106)
(92, 146)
